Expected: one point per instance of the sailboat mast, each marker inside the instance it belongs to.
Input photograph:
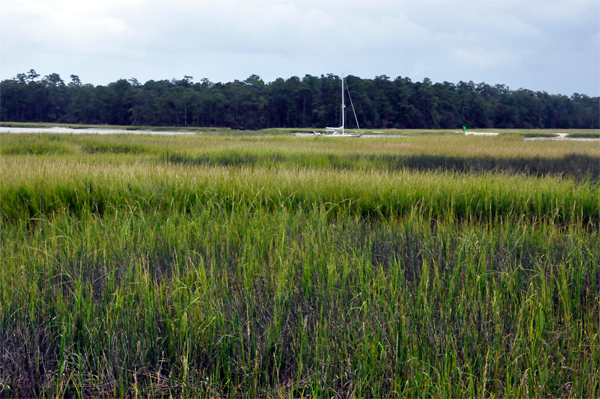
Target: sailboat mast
(343, 105)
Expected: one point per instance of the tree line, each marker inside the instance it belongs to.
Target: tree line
(311, 102)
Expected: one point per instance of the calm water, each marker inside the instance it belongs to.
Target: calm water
(66, 130)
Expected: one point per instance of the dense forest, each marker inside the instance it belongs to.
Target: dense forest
(310, 101)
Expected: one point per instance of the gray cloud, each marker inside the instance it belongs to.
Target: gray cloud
(541, 45)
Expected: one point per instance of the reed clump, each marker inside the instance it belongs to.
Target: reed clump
(122, 275)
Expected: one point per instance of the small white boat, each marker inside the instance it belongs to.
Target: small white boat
(340, 131)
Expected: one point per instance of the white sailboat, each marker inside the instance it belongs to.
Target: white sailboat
(340, 131)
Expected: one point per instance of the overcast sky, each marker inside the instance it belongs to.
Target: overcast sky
(548, 45)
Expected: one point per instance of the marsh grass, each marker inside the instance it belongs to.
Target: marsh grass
(446, 151)
(55, 186)
(123, 275)
(287, 131)
(108, 127)
(578, 165)
(591, 134)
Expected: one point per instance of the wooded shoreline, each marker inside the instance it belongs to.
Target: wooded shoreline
(308, 102)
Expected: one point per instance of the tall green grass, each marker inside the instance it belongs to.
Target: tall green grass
(257, 302)
(577, 165)
(122, 275)
(451, 145)
(77, 187)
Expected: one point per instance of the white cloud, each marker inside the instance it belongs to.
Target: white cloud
(523, 43)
